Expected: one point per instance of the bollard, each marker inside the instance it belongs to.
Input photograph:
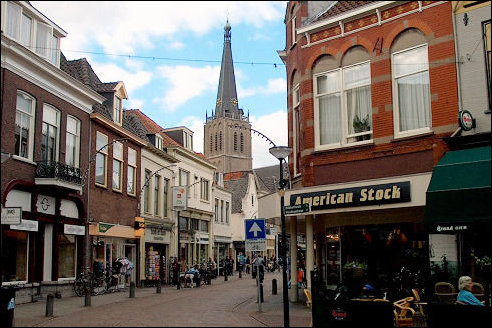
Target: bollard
(240, 274)
(274, 286)
(87, 300)
(132, 289)
(225, 275)
(50, 300)
(158, 291)
(261, 293)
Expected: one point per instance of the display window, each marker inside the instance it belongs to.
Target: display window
(14, 256)
(67, 254)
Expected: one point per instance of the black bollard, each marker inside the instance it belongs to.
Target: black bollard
(261, 293)
(50, 300)
(158, 290)
(132, 289)
(87, 300)
(225, 275)
(240, 274)
(274, 286)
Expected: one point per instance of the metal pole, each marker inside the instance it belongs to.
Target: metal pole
(284, 256)
(178, 285)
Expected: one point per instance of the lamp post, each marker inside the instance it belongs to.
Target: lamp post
(85, 178)
(281, 152)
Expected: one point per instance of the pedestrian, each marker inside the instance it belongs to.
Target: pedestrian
(248, 265)
(465, 295)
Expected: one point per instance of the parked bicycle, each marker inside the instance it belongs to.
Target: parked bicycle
(90, 282)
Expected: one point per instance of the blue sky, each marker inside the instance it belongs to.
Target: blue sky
(168, 55)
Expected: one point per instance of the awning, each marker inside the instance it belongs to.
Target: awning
(459, 190)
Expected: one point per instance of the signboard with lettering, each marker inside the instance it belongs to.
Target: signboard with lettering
(388, 193)
(11, 215)
(180, 198)
(296, 209)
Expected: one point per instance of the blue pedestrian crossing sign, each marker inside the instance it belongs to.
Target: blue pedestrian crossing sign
(255, 229)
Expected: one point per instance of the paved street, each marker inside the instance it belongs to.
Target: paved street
(229, 303)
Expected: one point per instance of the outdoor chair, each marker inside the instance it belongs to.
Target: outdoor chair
(445, 292)
(403, 312)
(309, 303)
(478, 291)
(418, 306)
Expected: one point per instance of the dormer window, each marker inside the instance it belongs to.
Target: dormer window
(158, 141)
(118, 110)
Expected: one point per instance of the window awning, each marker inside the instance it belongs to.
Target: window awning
(459, 190)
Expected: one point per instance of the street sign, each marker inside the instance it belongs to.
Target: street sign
(296, 209)
(255, 235)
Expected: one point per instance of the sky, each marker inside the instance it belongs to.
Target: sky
(168, 55)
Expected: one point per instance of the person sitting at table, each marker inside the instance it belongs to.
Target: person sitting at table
(465, 295)
(191, 275)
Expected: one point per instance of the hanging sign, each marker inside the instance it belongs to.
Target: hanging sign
(180, 198)
(11, 215)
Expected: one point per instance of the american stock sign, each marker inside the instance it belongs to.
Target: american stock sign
(388, 193)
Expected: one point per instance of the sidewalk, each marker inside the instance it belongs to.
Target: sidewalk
(271, 315)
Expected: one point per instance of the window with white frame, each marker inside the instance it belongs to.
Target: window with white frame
(146, 192)
(72, 143)
(343, 108)
(165, 191)
(296, 101)
(411, 91)
(184, 178)
(293, 30)
(24, 125)
(31, 33)
(158, 141)
(117, 165)
(132, 171)
(101, 158)
(204, 189)
(157, 194)
(50, 133)
(118, 109)
(227, 213)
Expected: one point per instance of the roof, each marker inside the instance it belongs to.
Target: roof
(237, 184)
(268, 178)
(334, 9)
(151, 127)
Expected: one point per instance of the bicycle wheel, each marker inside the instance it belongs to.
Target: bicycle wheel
(98, 286)
(79, 287)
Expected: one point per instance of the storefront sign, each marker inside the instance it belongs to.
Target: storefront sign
(46, 204)
(11, 215)
(103, 227)
(388, 193)
(26, 225)
(180, 198)
(70, 229)
(451, 227)
(466, 120)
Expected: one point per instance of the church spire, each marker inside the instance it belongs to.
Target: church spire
(226, 104)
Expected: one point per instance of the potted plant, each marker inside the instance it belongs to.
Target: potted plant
(357, 268)
(361, 125)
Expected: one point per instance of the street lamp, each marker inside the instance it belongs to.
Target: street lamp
(281, 152)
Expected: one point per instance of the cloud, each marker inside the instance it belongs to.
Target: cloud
(110, 72)
(132, 25)
(275, 132)
(186, 82)
(273, 86)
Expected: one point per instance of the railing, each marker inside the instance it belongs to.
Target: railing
(57, 170)
(235, 116)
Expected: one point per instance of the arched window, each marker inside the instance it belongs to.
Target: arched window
(242, 142)
(211, 143)
(235, 141)
(220, 140)
(215, 141)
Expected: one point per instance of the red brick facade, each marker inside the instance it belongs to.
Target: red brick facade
(387, 155)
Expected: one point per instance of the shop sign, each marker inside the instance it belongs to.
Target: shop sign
(466, 120)
(180, 198)
(26, 225)
(70, 229)
(103, 227)
(46, 204)
(388, 193)
(339, 314)
(11, 215)
(451, 227)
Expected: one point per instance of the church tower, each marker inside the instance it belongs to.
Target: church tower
(227, 134)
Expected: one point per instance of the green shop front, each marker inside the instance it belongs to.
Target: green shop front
(458, 216)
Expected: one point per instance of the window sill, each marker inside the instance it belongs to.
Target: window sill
(23, 159)
(361, 144)
(413, 136)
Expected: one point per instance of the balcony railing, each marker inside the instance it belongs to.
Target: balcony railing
(59, 171)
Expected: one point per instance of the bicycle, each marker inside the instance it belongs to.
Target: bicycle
(88, 282)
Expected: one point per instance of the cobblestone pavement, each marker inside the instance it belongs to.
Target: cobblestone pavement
(231, 303)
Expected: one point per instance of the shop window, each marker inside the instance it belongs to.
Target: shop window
(15, 255)
(66, 256)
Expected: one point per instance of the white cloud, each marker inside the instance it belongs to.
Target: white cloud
(273, 86)
(277, 132)
(110, 72)
(134, 103)
(186, 82)
(176, 45)
(131, 25)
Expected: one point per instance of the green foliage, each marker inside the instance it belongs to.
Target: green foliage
(361, 125)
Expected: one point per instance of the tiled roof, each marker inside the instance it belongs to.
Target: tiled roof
(237, 184)
(338, 8)
(268, 178)
(134, 125)
(151, 127)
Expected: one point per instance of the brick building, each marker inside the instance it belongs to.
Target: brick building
(372, 92)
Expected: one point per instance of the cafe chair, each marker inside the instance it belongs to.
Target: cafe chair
(478, 291)
(418, 303)
(403, 312)
(309, 303)
(445, 292)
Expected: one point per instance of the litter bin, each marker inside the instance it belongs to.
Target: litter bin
(7, 304)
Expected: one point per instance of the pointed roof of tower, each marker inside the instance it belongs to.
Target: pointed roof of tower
(226, 94)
